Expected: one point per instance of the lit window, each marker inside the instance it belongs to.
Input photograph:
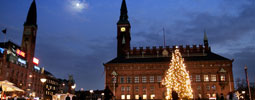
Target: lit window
(208, 87)
(122, 97)
(144, 79)
(128, 97)
(136, 96)
(159, 78)
(129, 80)
(198, 78)
(122, 79)
(152, 96)
(206, 78)
(151, 79)
(213, 78)
(122, 89)
(137, 89)
(222, 78)
(214, 95)
(136, 79)
(144, 96)
(128, 88)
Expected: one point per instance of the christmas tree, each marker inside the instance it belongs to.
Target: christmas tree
(177, 78)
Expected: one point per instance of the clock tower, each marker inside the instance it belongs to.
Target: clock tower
(123, 32)
(29, 34)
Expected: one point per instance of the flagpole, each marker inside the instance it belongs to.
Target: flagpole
(247, 80)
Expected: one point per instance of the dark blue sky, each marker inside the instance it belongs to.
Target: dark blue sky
(78, 40)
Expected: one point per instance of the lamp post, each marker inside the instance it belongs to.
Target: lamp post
(247, 80)
(91, 91)
(102, 96)
(114, 76)
(43, 80)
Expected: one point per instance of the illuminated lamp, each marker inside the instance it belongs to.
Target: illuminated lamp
(35, 61)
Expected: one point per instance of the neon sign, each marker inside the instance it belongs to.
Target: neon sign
(2, 50)
(35, 61)
(37, 68)
(21, 53)
(22, 61)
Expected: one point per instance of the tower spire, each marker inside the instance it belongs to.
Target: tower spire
(32, 15)
(123, 14)
(206, 44)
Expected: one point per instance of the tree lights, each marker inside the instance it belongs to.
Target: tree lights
(177, 78)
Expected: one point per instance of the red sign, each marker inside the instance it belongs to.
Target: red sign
(35, 61)
(21, 53)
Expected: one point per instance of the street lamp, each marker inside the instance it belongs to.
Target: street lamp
(43, 80)
(102, 96)
(73, 87)
(91, 91)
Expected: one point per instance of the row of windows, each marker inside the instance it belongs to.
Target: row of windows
(208, 87)
(144, 97)
(137, 79)
(136, 88)
(207, 79)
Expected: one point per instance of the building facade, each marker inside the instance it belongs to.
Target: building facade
(138, 72)
(16, 62)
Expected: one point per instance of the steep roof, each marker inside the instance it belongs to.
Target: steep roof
(32, 15)
(208, 57)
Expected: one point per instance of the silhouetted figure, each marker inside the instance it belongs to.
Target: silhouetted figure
(217, 96)
(108, 93)
(230, 95)
(140, 98)
(221, 96)
(68, 98)
(175, 95)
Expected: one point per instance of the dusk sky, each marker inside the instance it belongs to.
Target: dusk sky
(78, 39)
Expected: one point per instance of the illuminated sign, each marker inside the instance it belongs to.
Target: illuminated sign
(21, 53)
(37, 68)
(22, 61)
(2, 50)
(35, 61)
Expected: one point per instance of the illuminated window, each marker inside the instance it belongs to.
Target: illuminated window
(144, 96)
(128, 97)
(206, 78)
(222, 78)
(198, 78)
(144, 79)
(151, 79)
(129, 80)
(122, 97)
(208, 87)
(213, 78)
(122, 89)
(136, 79)
(136, 89)
(128, 88)
(122, 79)
(159, 78)
(152, 96)
(214, 95)
(136, 96)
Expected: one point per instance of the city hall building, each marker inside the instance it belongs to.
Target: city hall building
(138, 72)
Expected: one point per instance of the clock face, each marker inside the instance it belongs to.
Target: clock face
(122, 29)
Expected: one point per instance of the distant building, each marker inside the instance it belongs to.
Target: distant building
(51, 86)
(138, 72)
(88, 95)
(16, 62)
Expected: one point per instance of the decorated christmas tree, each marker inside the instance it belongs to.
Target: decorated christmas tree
(177, 78)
